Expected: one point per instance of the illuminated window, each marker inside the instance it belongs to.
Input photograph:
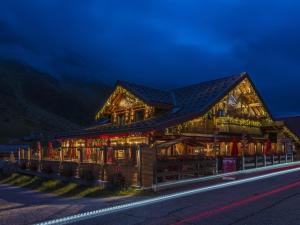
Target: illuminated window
(221, 112)
(119, 154)
(139, 115)
(121, 119)
(179, 149)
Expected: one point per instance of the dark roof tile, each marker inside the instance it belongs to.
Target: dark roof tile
(193, 100)
(149, 95)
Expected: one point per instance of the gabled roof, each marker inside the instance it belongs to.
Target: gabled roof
(192, 96)
(188, 103)
(152, 96)
(198, 98)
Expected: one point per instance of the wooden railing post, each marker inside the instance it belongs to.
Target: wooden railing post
(155, 173)
(178, 170)
(279, 159)
(255, 161)
(139, 165)
(29, 154)
(198, 167)
(19, 156)
(217, 165)
(243, 162)
(286, 158)
(22, 154)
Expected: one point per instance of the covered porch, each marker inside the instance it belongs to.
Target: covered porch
(96, 158)
(202, 155)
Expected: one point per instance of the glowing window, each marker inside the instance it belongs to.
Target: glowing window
(120, 154)
(139, 115)
(121, 119)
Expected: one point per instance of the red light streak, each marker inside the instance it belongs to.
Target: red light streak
(245, 201)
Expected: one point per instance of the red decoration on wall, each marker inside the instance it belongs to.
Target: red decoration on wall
(50, 150)
(113, 135)
(109, 154)
(267, 147)
(235, 149)
(73, 150)
(87, 150)
(69, 152)
(39, 149)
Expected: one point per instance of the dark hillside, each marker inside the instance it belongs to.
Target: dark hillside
(31, 101)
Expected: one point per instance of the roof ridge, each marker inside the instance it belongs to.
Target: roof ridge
(174, 89)
(148, 94)
(141, 85)
(210, 81)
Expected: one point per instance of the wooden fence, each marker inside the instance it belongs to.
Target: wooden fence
(175, 169)
(260, 160)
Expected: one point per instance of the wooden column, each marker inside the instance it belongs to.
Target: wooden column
(101, 158)
(105, 155)
(61, 155)
(29, 154)
(96, 153)
(138, 163)
(103, 163)
(19, 156)
(81, 155)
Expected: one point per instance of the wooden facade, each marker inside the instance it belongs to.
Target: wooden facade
(149, 135)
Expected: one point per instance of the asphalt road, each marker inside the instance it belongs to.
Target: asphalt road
(273, 201)
(270, 201)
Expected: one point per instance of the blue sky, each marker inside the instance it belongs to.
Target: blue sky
(160, 43)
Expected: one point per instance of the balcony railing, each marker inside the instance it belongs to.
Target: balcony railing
(224, 124)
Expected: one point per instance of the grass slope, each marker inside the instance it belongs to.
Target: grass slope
(64, 189)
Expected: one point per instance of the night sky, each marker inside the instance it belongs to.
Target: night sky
(161, 43)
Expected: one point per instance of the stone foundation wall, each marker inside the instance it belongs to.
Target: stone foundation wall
(85, 171)
(89, 171)
(50, 167)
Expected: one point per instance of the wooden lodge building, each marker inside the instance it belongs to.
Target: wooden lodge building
(150, 135)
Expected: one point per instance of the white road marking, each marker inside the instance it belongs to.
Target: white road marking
(122, 207)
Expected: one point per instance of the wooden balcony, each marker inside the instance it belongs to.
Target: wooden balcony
(229, 125)
(224, 124)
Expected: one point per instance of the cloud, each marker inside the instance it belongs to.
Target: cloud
(162, 43)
